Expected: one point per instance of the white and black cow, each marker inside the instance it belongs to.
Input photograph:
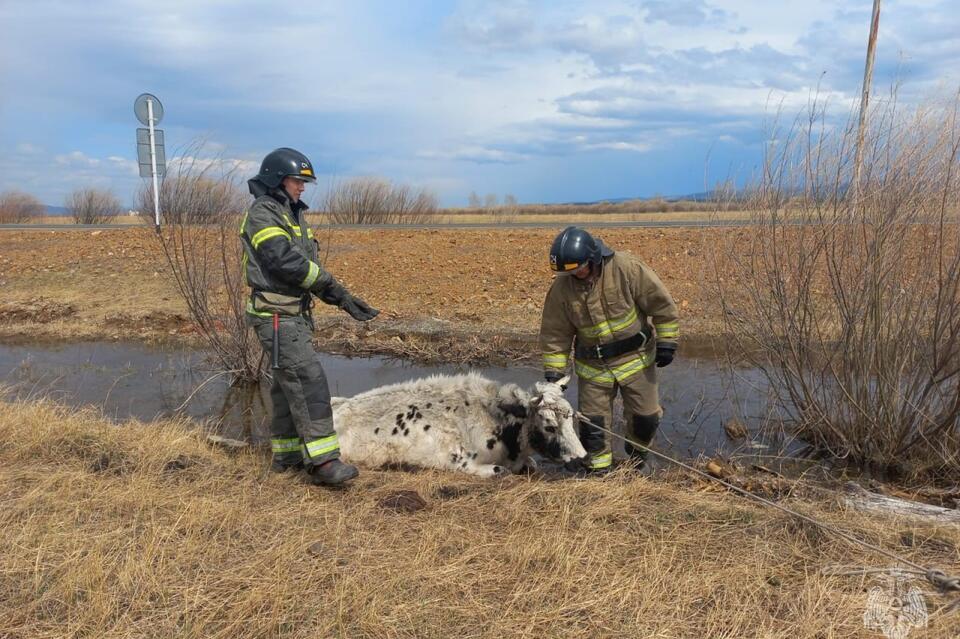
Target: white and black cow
(457, 422)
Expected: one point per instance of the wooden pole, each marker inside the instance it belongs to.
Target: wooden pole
(865, 100)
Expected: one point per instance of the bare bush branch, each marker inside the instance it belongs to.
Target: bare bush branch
(199, 238)
(92, 206)
(370, 200)
(851, 307)
(17, 207)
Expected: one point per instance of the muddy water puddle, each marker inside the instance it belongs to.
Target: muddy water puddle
(132, 380)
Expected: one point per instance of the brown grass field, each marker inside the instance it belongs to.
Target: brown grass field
(148, 531)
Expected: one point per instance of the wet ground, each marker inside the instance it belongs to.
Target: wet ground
(125, 380)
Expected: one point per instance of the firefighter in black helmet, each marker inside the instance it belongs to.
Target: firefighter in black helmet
(620, 320)
(282, 268)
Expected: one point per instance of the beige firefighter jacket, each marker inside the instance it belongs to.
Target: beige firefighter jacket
(627, 297)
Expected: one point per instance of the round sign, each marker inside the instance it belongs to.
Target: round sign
(140, 109)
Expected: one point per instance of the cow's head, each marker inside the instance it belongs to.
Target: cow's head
(550, 425)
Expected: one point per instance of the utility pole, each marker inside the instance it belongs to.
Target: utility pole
(865, 100)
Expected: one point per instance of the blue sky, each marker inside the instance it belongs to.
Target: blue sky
(548, 101)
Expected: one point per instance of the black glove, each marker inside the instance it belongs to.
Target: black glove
(358, 309)
(333, 293)
(665, 353)
(337, 295)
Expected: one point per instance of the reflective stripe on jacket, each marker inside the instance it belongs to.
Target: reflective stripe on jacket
(280, 257)
(627, 297)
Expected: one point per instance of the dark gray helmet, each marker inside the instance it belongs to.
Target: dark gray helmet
(573, 248)
(285, 162)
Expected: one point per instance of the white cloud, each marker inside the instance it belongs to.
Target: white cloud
(423, 90)
(684, 13)
(480, 155)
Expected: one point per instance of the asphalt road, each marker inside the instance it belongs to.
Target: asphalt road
(466, 225)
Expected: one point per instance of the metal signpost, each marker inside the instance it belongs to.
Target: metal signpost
(150, 148)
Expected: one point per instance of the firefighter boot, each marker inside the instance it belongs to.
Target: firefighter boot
(599, 458)
(332, 473)
(643, 428)
(282, 466)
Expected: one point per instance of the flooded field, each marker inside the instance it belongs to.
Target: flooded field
(132, 380)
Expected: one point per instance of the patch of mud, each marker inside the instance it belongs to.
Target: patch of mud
(403, 501)
(150, 321)
(40, 310)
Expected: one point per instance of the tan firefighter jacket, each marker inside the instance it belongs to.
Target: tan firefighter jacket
(280, 261)
(626, 299)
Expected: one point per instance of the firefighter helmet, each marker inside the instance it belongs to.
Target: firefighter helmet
(573, 248)
(285, 162)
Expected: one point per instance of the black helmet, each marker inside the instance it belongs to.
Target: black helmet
(573, 248)
(285, 162)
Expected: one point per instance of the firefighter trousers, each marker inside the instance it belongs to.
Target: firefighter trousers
(641, 411)
(302, 425)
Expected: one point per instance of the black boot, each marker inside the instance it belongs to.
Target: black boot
(643, 428)
(282, 466)
(332, 473)
(594, 441)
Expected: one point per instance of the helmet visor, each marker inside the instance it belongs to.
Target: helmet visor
(306, 175)
(579, 270)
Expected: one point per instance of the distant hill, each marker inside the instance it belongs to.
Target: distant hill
(704, 196)
(57, 211)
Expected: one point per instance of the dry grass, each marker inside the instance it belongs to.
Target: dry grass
(136, 531)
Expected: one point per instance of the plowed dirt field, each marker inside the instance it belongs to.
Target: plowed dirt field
(459, 291)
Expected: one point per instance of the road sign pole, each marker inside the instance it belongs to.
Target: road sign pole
(153, 165)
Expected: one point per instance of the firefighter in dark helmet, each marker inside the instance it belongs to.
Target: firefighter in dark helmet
(621, 323)
(283, 271)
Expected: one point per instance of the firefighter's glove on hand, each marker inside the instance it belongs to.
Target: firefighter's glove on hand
(358, 309)
(665, 353)
(337, 295)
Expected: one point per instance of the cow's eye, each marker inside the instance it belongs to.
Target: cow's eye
(550, 429)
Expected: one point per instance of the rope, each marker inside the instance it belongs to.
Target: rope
(938, 578)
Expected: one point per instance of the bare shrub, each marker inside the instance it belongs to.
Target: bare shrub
(852, 308)
(17, 207)
(371, 200)
(92, 206)
(199, 238)
(192, 196)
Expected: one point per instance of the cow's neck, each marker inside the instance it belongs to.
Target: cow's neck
(512, 437)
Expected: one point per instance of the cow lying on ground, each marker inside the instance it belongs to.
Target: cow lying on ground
(457, 422)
